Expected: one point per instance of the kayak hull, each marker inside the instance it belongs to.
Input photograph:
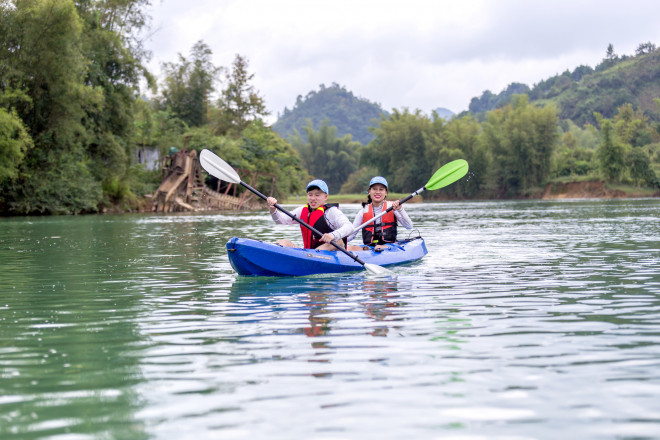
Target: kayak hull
(257, 258)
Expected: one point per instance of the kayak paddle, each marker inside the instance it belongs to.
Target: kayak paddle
(220, 169)
(448, 174)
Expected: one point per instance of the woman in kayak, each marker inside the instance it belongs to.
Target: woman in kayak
(383, 229)
(324, 217)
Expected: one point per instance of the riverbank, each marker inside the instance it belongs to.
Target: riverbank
(594, 189)
(591, 189)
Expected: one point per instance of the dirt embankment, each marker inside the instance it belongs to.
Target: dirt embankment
(586, 190)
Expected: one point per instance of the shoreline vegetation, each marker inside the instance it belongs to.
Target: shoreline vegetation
(86, 128)
(558, 190)
(569, 189)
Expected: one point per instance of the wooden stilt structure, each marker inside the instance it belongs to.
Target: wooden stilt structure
(183, 188)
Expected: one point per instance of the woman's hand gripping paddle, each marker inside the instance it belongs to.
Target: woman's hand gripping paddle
(220, 169)
(448, 174)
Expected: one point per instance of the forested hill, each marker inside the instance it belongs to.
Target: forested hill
(351, 115)
(617, 80)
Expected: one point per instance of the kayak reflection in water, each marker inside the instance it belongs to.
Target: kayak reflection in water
(324, 217)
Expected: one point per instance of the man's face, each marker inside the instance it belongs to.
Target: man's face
(316, 198)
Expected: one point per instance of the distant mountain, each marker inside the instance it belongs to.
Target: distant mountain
(351, 115)
(444, 113)
(585, 90)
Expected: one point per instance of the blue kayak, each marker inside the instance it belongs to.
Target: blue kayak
(258, 258)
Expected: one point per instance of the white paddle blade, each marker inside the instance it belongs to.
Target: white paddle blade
(377, 270)
(217, 167)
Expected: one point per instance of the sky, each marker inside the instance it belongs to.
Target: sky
(415, 54)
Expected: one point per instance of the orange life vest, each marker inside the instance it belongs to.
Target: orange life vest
(385, 232)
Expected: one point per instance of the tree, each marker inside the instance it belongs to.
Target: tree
(610, 54)
(14, 143)
(326, 156)
(239, 104)
(168, 130)
(358, 181)
(638, 163)
(70, 72)
(114, 55)
(574, 155)
(610, 153)
(645, 48)
(632, 127)
(462, 140)
(401, 149)
(259, 150)
(611, 59)
(123, 18)
(489, 101)
(266, 152)
(522, 138)
(189, 83)
(44, 52)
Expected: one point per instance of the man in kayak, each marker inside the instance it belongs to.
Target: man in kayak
(324, 217)
(382, 230)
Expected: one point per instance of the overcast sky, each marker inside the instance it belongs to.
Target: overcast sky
(419, 54)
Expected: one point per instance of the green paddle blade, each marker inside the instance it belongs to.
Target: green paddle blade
(448, 174)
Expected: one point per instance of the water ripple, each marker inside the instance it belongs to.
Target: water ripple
(525, 319)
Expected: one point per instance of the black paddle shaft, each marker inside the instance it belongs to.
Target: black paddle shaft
(311, 228)
(405, 199)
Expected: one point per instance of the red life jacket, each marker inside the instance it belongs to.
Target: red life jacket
(374, 233)
(315, 219)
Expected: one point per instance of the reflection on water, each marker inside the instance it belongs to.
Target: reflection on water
(378, 298)
(525, 319)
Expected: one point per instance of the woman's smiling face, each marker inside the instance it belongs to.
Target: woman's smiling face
(378, 192)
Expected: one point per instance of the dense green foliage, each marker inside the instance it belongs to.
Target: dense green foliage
(514, 152)
(232, 127)
(69, 75)
(188, 84)
(327, 156)
(617, 80)
(489, 101)
(351, 115)
(400, 150)
(73, 118)
(43, 52)
(521, 139)
(14, 142)
(239, 104)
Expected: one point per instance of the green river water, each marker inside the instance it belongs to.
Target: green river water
(526, 320)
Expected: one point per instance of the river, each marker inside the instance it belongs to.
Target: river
(526, 320)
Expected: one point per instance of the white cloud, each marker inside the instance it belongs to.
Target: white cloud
(416, 54)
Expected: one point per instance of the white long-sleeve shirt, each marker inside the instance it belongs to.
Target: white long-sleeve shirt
(401, 216)
(340, 224)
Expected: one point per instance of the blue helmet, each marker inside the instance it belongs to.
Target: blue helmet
(379, 179)
(318, 183)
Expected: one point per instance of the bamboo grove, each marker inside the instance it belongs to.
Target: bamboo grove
(73, 115)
